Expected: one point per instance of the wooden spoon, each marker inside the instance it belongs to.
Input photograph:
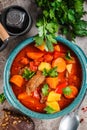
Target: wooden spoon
(3, 33)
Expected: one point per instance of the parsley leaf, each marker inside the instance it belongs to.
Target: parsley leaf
(45, 89)
(46, 32)
(45, 72)
(68, 56)
(39, 40)
(49, 110)
(49, 45)
(52, 72)
(67, 90)
(71, 16)
(27, 74)
(63, 16)
(80, 28)
(2, 98)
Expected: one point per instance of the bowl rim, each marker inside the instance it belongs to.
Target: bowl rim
(14, 101)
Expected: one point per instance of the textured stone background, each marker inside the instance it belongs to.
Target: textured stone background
(82, 42)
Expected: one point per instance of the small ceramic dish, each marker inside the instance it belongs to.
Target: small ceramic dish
(16, 20)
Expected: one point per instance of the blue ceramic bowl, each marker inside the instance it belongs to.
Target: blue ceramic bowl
(13, 100)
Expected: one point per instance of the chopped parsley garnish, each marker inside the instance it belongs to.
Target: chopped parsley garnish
(52, 72)
(67, 91)
(68, 56)
(27, 74)
(45, 90)
(63, 16)
(45, 72)
(49, 110)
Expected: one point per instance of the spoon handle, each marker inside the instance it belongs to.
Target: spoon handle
(3, 33)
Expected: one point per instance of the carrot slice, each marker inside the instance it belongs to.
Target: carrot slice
(35, 55)
(17, 80)
(22, 96)
(31, 102)
(41, 47)
(57, 48)
(60, 63)
(73, 94)
(52, 82)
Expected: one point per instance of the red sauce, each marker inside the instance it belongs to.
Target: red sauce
(73, 78)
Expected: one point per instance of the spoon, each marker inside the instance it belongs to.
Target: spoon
(4, 37)
(71, 121)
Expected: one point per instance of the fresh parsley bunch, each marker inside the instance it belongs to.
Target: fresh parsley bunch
(63, 16)
(46, 32)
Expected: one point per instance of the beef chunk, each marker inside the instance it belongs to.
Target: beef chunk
(35, 82)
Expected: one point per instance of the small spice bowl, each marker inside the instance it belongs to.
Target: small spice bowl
(16, 20)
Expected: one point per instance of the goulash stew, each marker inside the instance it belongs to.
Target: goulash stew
(46, 82)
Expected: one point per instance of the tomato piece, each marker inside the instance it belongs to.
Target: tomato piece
(60, 87)
(40, 59)
(24, 60)
(33, 67)
(48, 57)
(36, 63)
(58, 54)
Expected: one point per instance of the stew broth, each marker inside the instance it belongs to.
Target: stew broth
(46, 82)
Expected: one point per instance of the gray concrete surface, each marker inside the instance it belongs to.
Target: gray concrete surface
(51, 124)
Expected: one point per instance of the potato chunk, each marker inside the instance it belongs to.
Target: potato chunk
(44, 65)
(53, 96)
(69, 67)
(54, 105)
